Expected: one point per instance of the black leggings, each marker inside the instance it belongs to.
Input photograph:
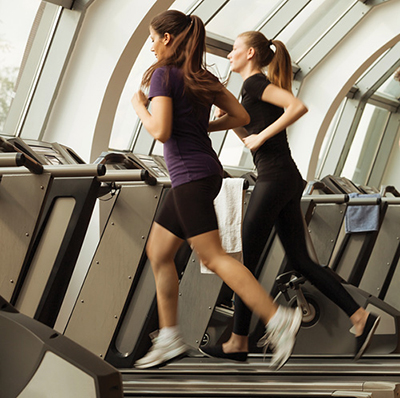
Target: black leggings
(278, 203)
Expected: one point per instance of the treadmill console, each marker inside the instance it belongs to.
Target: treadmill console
(154, 164)
(340, 185)
(47, 153)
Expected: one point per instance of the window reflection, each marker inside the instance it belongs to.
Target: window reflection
(15, 28)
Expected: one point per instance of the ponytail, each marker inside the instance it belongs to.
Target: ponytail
(280, 68)
(187, 53)
(279, 71)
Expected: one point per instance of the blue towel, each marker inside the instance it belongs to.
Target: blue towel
(362, 218)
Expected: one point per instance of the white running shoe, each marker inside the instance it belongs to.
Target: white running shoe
(162, 350)
(280, 334)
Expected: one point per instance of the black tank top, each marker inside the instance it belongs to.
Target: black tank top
(273, 159)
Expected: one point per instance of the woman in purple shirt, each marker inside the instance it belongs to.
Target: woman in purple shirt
(182, 92)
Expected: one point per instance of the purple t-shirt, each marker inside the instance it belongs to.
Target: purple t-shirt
(188, 153)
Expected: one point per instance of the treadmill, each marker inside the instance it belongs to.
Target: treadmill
(307, 373)
(46, 211)
(117, 296)
(38, 183)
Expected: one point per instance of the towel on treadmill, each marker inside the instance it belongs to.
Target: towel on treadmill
(229, 208)
(362, 218)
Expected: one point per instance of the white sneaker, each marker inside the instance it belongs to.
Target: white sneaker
(280, 334)
(162, 350)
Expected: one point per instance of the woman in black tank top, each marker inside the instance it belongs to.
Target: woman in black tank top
(276, 197)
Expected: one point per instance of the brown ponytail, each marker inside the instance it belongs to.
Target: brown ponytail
(187, 53)
(279, 64)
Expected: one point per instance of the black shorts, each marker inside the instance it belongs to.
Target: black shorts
(188, 210)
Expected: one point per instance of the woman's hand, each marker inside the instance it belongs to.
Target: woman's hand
(139, 99)
(159, 122)
(253, 141)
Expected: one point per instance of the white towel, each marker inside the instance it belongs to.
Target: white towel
(229, 208)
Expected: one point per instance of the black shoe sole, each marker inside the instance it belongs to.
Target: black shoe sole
(217, 352)
(363, 341)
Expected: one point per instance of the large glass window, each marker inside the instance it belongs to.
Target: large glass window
(125, 120)
(327, 144)
(365, 145)
(16, 20)
(391, 87)
(238, 16)
(311, 24)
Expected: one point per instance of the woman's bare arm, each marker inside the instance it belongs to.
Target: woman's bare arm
(159, 122)
(234, 113)
(294, 109)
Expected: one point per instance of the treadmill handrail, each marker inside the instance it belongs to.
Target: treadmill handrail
(343, 198)
(128, 175)
(76, 170)
(391, 201)
(364, 201)
(30, 163)
(64, 170)
(12, 159)
(334, 198)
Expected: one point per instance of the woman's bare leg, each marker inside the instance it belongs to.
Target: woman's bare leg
(161, 250)
(358, 319)
(168, 343)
